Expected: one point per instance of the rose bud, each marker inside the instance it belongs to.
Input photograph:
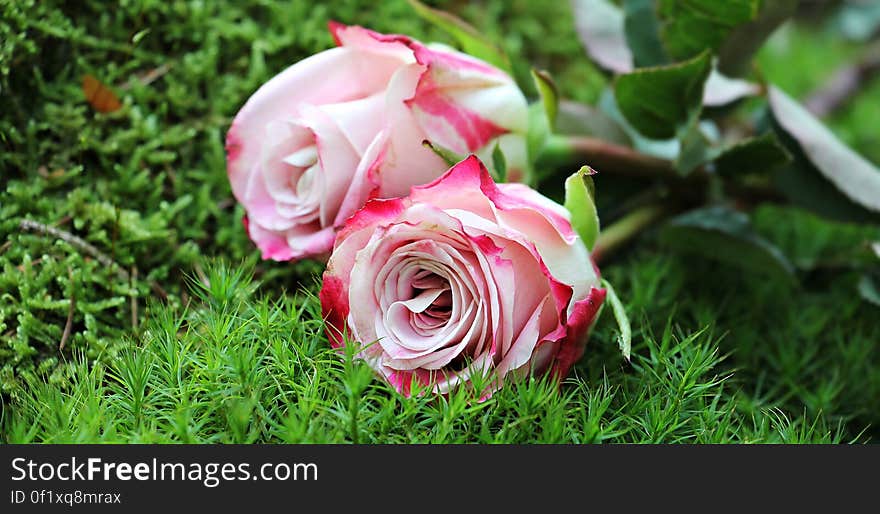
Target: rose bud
(313, 144)
(464, 279)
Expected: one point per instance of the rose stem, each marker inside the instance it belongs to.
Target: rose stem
(619, 160)
(623, 230)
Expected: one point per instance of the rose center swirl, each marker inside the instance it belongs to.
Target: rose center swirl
(431, 304)
(427, 295)
(297, 186)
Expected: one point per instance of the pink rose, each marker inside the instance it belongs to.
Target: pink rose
(313, 144)
(464, 276)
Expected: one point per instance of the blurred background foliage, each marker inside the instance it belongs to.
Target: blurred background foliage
(144, 188)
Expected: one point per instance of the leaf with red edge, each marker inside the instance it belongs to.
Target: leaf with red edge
(599, 23)
(846, 170)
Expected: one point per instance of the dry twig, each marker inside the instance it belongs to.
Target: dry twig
(75, 241)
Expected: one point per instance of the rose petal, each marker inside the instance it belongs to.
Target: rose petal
(338, 158)
(350, 74)
(271, 244)
(358, 120)
(337, 275)
(458, 188)
(306, 242)
(282, 139)
(371, 42)
(305, 157)
(405, 160)
(261, 207)
(571, 348)
(463, 103)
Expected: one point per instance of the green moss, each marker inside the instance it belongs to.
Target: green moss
(242, 368)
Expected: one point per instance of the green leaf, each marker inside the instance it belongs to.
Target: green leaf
(624, 340)
(549, 95)
(848, 171)
(642, 31)
(662, 148)
(139, 35)
(805, 187)
(725, 235)
(660, 101)
(869, 288)
(736, 53)
(580, 200)
(499, 164)
(692, 26)
(753, 155)
(471, 40)
(538, 131)
(448, 156)
(695, 150)
(575, 118)
(811, 241)
(722, 90)
(600, 25)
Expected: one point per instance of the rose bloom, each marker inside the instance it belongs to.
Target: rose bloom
(462, 277)
(313, 144)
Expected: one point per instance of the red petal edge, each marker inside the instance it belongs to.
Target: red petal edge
(571, 349)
